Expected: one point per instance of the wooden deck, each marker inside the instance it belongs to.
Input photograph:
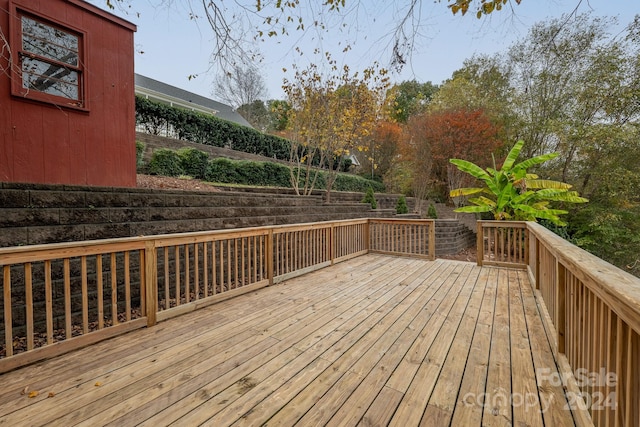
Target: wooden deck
(376, 340)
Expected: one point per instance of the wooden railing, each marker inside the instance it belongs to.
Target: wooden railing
(592, 312)
(68, 295)
(198, 269)
(407, 237)
(502, 243)
(63, 296)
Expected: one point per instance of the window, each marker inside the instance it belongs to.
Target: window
(50, 58)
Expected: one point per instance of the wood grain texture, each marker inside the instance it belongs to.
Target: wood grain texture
(374, 340)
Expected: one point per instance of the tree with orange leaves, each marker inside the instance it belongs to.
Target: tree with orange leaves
(439, 136)
(382, 149)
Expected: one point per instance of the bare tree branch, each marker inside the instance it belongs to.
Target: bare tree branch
(238, 24)
(240, 86)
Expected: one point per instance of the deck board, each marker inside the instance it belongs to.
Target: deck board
(376, 340)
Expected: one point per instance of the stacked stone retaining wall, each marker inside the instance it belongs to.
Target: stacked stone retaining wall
(452, 236)
(37, 214)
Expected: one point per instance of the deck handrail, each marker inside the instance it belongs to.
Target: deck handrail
(502, 243)
(592, 313)
(68, 295)
(615, 286)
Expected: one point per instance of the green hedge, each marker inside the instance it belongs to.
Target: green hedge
(347, 182)
(209, 130)
(195, 163)
(269, 174)
(165, 162)
(140, 156)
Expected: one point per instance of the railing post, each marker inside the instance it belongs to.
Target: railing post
(432, 240)
(526, 245)
(537, 264)
(269, 255)
(560, 308)
(150, 280)
(479, 243)
(367, 234)
(8, 322)
(332, 239)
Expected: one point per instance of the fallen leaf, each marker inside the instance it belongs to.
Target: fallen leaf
(25, 391)
(51, 394)
(33, 393)
(98, 384)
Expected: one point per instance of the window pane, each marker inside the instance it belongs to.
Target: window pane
(49, 42)
(49, 78)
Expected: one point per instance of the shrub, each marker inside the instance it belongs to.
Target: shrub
(252, 173)
(348, 182)
(321, 182)
(194, 162)
(165, 162)
(140, 156)
(222, 170)
(277, 174)
(346, 165)
(431, 212)
(370, 198)
(401, 206)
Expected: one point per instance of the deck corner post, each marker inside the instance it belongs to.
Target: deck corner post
(526, 244)
(150, 280)
(432, 240)
(479, 244)
(269, 255)
(8, 322)
(367, 235)
(560, 308)
(537, 246)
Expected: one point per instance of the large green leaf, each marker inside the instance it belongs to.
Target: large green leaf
(541, 204)
(473, 209)
(569, 197)
(535, 161)
(556, 211)
(475, 171)
(483, 201)
(458, 192)
(512, 156)
(505, 196)
(523, 197)
(548, 193)
(516, 193)
(547, 183)
(537, 212)
(471, 168)
(550, 214)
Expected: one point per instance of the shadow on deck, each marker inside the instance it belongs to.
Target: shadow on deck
(375, 340)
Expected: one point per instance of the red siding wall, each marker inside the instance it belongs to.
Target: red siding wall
(44, 143)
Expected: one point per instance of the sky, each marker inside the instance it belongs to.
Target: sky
(170, 47)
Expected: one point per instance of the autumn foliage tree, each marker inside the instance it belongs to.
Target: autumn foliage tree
(416, 159)
(382, 149)
(445, 135)
(331, 115)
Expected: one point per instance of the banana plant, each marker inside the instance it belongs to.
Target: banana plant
(512, 193)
